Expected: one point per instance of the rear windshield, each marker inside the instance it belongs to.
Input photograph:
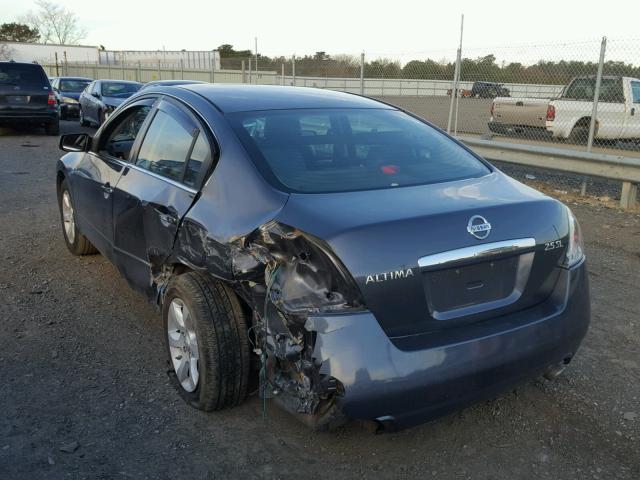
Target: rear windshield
(116, 89)
(22, 75)
(335, 150)
(74, 86)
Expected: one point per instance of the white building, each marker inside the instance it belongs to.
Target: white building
(46, 52)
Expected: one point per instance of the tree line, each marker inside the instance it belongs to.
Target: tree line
(485, 68)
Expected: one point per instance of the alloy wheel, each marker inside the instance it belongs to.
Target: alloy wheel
(183, 345)
(67, 217)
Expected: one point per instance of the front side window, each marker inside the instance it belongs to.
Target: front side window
(313, 151)
(635, 92)
(123, 131)
(165, 147)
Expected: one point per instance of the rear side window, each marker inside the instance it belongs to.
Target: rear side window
(165, 147)
(314, 151)
(23, 75)
(584, 89)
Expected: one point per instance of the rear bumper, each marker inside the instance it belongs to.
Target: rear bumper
(406, 381)
(70, 109)
(7, 117)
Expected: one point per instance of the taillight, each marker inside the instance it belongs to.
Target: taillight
(575, 248)
(551, 113)
(52, 99)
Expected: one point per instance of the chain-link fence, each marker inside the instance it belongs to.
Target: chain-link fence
(530, 93)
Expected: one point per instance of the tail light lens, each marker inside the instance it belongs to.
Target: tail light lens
(551, 113)
(302, 274)
(52, 99)
(575, 248)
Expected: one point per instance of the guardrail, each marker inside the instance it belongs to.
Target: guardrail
(614, 167)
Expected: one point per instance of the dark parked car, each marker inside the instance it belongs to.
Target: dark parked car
(489, 90)
(168, 83)
(69, 90)
(356, 259)
(26, 97)
(101, 97)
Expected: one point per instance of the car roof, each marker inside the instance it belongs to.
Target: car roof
(73, 78)
(242, 98)
(113, 80)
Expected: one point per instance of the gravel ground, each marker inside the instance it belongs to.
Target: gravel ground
(85, 395)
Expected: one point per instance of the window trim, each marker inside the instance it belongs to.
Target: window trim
(167, 104)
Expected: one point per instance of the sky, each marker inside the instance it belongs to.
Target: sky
(400, 29)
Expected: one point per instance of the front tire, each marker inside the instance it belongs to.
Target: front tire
(206, 341)
(53, 128)
(77, 243)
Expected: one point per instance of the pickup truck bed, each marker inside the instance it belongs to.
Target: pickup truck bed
(519, 115)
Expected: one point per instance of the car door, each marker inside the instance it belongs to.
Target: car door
(97, 173)
(632, 122)
(154, 193)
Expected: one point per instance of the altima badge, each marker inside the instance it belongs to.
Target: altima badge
(479, 227)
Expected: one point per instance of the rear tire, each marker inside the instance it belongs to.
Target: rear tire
(73, 239)
(53, 128)
(579, 135)
(212, 315)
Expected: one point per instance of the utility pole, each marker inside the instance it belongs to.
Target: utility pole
(256, 50)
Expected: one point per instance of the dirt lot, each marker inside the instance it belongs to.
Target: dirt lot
(85, 395)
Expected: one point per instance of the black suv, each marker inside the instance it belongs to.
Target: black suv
(26, 96)
(489, 90)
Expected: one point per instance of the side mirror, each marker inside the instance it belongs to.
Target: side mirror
(95, 94)
(75, 142)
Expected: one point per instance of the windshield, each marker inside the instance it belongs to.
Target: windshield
(23, 75)
(120, 90)
(73, 86)
(333, 150)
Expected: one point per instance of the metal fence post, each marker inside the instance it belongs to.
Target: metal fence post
(139, 76)
(211, 73)
(250, 79)
(159, 74)
(122, 67)
(66, 63)
(282, 77)
(182, 68)
(594, 108)
(456, 76)
(293, 69)
(108, 66)
(454, 90)
(362, 73)
(243, 73)
(57, 71)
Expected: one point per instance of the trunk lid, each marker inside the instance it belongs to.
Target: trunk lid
(417, 265)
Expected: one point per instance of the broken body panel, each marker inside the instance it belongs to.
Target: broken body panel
(346, 322)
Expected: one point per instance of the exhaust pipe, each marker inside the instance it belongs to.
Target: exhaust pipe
(554, 371)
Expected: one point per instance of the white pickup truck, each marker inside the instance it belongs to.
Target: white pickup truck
(618, 117)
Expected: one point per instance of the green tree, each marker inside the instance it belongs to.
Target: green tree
(18, 32)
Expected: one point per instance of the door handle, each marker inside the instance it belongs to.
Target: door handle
(106, 188)
(165, 216)
(633, 111)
